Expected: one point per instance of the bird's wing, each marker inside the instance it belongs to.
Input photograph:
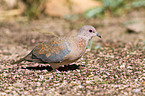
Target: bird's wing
(52, 51)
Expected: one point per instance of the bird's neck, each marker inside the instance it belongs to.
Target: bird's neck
(86, 39)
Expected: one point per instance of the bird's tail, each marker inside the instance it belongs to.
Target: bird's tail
(18, 61)
(22, 59)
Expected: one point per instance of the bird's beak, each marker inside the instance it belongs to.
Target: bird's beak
(98, 35)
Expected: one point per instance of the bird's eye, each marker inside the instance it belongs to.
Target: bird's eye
(90, 31)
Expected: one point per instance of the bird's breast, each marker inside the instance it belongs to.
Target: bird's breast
(78, 48)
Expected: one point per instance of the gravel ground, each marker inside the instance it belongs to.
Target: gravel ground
(114, 69)
(116, 66)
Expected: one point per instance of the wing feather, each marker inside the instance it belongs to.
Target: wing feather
(51, 51)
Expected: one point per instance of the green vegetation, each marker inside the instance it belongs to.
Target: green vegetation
(114, 7)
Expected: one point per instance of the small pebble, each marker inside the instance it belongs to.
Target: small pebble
(136, 90)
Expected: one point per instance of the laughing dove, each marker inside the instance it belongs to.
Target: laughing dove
(61, 50)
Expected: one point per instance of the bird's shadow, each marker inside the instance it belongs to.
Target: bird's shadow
(48, 68)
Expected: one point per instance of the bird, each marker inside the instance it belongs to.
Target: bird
(61, 50)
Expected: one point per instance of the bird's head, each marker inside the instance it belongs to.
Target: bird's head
(88, 31)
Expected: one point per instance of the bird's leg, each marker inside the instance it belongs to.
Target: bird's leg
(54, 67)
(54, 70)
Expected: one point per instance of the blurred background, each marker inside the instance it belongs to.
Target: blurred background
(24, 23)
(68, 9)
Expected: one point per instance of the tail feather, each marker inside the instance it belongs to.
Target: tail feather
(18, 61)
(30, 58)
(22, 59)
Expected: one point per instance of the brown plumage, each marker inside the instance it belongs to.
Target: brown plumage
(61, 50)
